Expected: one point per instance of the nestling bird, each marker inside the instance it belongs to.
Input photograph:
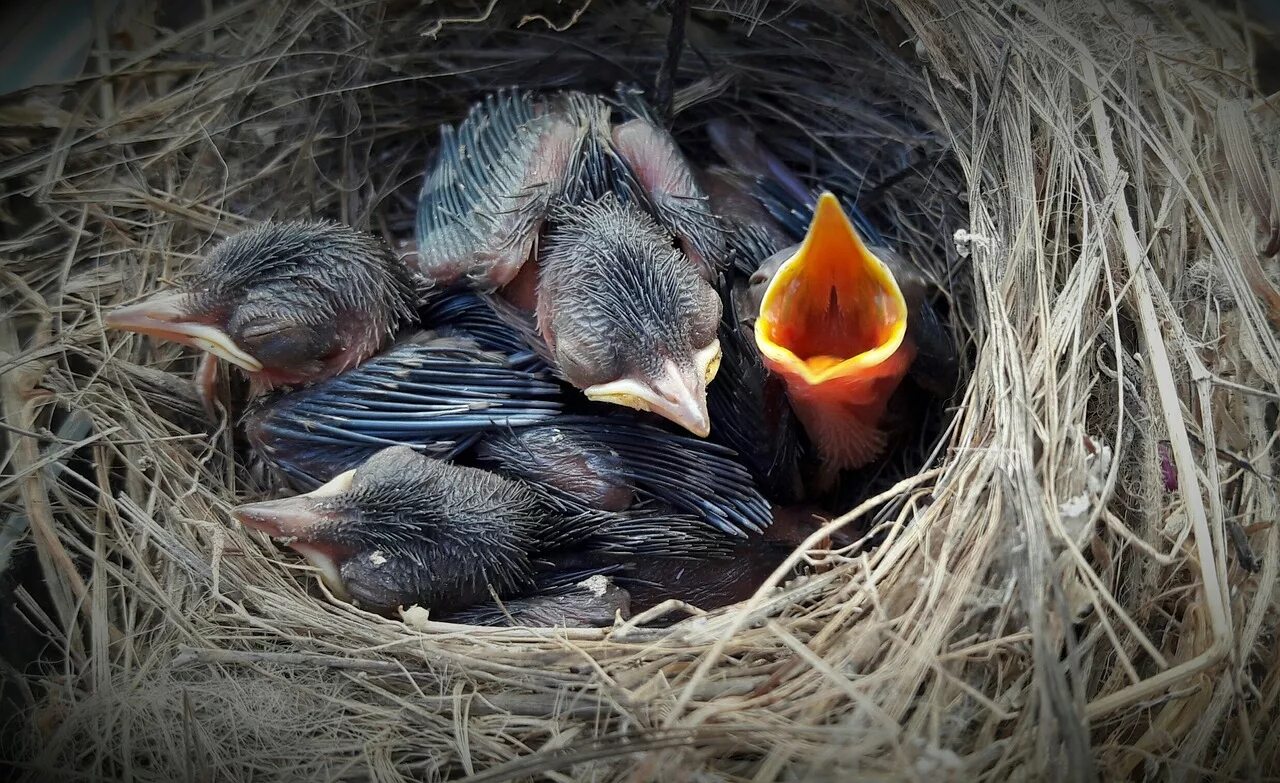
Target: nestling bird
(455, 403)
(599, 229)
(404, 528)
(469, 389)
(288, 303)
(840, 322)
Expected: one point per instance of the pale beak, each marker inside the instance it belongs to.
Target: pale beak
(293, 520)
(292, 517)
(675, 394)
(168, 317)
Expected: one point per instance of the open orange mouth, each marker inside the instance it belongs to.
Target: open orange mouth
(833, 325)
(833, 309)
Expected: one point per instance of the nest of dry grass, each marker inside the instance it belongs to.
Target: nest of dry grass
(1080, 580)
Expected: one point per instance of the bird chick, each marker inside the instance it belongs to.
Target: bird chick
(600, 229)
(287, 303)
(832, 324)
(403, 528)
(840, 322)
(625, 316)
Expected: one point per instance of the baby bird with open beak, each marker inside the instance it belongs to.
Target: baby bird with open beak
(841, 322)
(288, 303)
(598, 231)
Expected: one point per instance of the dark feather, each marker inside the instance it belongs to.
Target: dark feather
(466, 313)
(433, 397)
(750, 412)
(749, 409)
(591, 600)
(694, 477)
(489, 189)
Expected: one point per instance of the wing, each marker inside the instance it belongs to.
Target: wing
(524, 324)
(691, 476)
(437, 397)
(494, 180)
(649, 528)
(665, 177)
(578, 597)
(650, 533)
(708, 584)
(464, 313)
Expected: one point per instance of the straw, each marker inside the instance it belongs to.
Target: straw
(1069, 573)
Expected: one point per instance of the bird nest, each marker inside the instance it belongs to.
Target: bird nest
(1074, 574)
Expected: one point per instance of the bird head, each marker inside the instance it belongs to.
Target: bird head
(287, 303)
(392, 530)
(832, 324)
(627, 316)
(833, 308)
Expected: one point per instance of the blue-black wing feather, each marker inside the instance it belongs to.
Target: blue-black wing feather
(435, 397)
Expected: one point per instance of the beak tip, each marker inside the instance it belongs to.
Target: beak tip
(129, 318)
(696, 420)
(250, 516)
(172, 317)
(262, 516)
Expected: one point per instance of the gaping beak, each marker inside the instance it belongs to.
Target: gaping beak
(677, 395)
(169, 317)
(293, 521)
(833, 310)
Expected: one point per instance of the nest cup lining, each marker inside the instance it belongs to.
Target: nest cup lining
(1036, 574)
